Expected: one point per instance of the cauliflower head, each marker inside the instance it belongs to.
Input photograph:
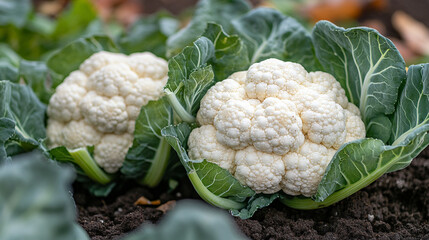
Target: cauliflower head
(98, 104)
(275, 127)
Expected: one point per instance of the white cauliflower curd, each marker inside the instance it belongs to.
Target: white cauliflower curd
(98, 104)
(275, 127)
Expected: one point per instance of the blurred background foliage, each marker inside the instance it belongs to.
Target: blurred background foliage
(33, 28)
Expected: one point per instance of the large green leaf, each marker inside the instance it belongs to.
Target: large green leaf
(149, 155)
(37, 76)
(369, 68)
(412, 110)
(230, 54)
(69, 58)
(74, 20)
(190, 220)
(25, 116)
(14, 12)
(149, 34)
(35, 201)
(218, 11)
(213, 183)
(269, 34)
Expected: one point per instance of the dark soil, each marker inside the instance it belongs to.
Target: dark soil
(396, 206)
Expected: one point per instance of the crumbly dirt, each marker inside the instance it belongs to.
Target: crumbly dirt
(396, 206)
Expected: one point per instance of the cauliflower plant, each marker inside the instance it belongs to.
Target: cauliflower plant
(275, 127)
(98, 104)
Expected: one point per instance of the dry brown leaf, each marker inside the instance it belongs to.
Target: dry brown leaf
(414, 33)
(334, 10)
(167, 206)
(144, 201)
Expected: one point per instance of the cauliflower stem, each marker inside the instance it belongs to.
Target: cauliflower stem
(83, 159)
(178, 108)
(158, 166)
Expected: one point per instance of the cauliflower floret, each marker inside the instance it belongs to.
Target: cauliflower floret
(284, 124)
(354, 125)
(216, 97)
(64, 104)
(78, 78)
(99, 60)
(101, 101)
(261, 171)
(276, 127)
(305, 168)
(325, 83)
(110, 152)
(148, 65)
(271, 77)
(324, 122)
(54, 131)
(210, 149)
(112, 80)
(143, 91)
(107, 115)
(239, 77)
(234, 121)
(78, 134)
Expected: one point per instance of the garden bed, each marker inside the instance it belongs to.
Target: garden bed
(394, 207)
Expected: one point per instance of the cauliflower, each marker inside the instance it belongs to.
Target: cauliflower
(275, 127)
(98, 104)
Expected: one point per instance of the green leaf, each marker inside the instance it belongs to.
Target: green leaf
(367, 65)
(353, 162)
(218, 11)
(412, 110)
(213, 183)
(8, 55)
(74, 20)
(149, 34)
(37, 76)
(220, 182)
(35, 201)
(229, 51)
(190, 220)
(255, 202)
(190, 77)
(69, 58)
(149, 155)
(23, 109)
(14, 12)
(269, 34)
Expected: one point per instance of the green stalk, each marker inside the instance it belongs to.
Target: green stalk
(85, 161)
(209, 196)
(178, 108)
(158, 166)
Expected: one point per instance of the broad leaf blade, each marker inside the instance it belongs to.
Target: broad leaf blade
(39, 205)
(190, 220)
(367, 65)
(14, 12)
(256, 202)
(37, 76)
(69, 58)
(352, 162)
(147, 138)
(20, 105)
(216, 180)
(220, 182)
(218, 11)
(269, 34)
(412, 110)
(149, 34)
(230, 52)
(189, 77)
